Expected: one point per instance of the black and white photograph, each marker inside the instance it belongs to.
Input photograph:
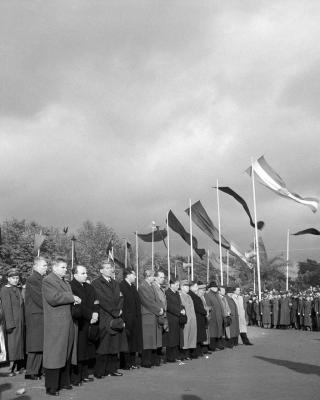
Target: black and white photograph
(159, 199)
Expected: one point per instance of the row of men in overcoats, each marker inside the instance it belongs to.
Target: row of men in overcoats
(77, 322)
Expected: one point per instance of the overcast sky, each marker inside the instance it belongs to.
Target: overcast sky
(117, 111)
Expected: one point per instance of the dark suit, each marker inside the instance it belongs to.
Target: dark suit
(34, 323)
(172, 337)
(111, 342)
(82, 313)
(132, 318)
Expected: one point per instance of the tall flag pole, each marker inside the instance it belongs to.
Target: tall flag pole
(137, 261)
(152, 245)
(254, 267)
(125, 253)
(168, 247)
(256, 231)
(72, 251)
(191, 244)
(39, 246)
(219, 228)
(208, 267)
(228, 267)
(287, 280)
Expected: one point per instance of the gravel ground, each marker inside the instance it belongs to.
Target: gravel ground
(281, 365)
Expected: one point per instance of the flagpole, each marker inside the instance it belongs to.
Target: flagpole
(137, 261)
(72, 251)
(254, 266)
(219, 227)
(208, 266)
(287, 280)
(39, 246)
(191, 244)
(227, 267)
(125, 253)
(168, 247)
(152, 246)
(256, 230)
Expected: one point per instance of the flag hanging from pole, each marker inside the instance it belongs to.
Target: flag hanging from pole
(273, 181)
(310, 231)
(177, 227)
(202, 220)
(158, 236)
(38, 241)
(239, 199)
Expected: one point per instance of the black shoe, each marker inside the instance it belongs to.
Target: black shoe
(146, 365)
(32, 377)
(51, 392)
(67, 387)
(115, 374)
(98, 376)
(85, 380)
(76, 384)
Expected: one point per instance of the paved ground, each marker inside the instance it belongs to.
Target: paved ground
(282, 365)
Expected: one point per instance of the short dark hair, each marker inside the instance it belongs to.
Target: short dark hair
(60, 259)
(158, 272)
(75, 269)
(174, 280)
(127, 271)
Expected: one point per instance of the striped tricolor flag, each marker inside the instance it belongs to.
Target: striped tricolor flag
(273, 181)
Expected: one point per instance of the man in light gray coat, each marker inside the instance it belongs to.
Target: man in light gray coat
(58, 328)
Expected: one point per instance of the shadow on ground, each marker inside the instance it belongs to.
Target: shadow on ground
(302, 368)
(4, 387)
(190, 397)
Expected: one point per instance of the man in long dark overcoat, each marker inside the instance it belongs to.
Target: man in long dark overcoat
(174, 311)
(132, 318)
(85, 314)
(111, 341)
(34, 319)
(201, 315)
(216, 328)
(13, 310)
(58, 327)
(151, 310)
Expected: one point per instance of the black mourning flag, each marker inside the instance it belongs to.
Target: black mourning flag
(176, 226)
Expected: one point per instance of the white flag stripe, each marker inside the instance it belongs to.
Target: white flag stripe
(265, 177)
(237, 252)
(273, 184)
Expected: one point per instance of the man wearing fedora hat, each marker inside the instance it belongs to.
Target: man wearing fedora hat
(216, 327)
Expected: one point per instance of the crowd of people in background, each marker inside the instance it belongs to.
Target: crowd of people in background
(75, 331)
(284, 310)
